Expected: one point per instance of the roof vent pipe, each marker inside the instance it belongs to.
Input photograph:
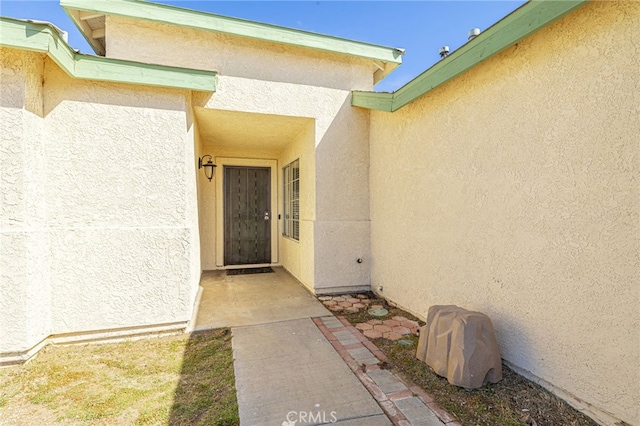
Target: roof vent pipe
(444, 51)
(473, 33)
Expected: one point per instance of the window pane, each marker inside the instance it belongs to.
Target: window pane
(291, 200)
(295, 189)
(295, 209)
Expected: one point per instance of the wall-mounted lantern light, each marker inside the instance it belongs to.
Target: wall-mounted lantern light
(208, 166)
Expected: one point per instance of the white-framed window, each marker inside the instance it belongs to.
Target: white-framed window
(291, 180)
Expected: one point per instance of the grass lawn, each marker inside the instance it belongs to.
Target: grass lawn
(177, 380)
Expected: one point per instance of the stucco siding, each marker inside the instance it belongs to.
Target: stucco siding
(270, 78)
(192, 220)
(233, 55)
(119, 163)
(117, 152)
(297, 256)
(339, 169)
(339, 245)
(26, 294)
(24, 276)
(342, 232)
(113, 278)
(342, 154)
(99, 215)
(207, 205)
(200, 186)
(513, 190)
(22, 153)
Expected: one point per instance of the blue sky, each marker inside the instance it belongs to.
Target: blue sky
(420, 27)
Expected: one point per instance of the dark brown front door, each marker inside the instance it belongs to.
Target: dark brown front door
(247, 215)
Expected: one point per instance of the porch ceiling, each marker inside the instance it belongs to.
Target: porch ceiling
(246, 130)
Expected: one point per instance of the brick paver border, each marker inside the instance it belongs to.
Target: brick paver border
(386, 400)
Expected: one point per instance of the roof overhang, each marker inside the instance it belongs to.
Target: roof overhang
(46, 38)
(89, 17)
(524, 21)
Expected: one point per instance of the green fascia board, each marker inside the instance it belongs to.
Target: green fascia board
(524, 21)
(113, 70)
(211, 22)
(382, 101)
(43, 38)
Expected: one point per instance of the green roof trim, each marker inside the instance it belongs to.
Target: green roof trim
(24, 35)
(211, 22)
(524, 21)
(382, 101)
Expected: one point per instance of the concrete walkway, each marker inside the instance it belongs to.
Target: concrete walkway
(297, 364)
(236, 300)
(288, 371)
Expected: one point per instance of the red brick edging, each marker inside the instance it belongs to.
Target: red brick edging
(386, 401)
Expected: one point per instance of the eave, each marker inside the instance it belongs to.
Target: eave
(524, 21)
(44, 38)
(386, 59)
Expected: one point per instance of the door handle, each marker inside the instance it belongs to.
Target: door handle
(266, 215)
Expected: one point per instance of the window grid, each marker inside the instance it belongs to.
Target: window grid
(291, 179)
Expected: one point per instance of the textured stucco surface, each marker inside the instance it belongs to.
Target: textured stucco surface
(112, 278)
(342, 228)
(24, 283)
(192, 219)
(99, 213)
(288, 137)
(284, 81)
(234, 56)
(513, 190)
(340, 199)
(297, 256)
(126, 249)
(123, 222)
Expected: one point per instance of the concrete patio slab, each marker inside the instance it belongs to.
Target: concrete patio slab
(288, 369)
(238, 300)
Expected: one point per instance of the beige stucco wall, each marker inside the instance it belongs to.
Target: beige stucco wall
(192, 216)
(205, 233)
(120, 181)
(513, 190)
(106, 223)
(233, 55)
(297, 256)
(25, 317)
(340, 226)
(99, 213)
(258, 77)
(280, 140)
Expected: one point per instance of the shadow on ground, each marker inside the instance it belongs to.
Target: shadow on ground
(206, 393)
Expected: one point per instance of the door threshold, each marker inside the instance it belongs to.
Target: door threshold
(257, 265)
(250, 271)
